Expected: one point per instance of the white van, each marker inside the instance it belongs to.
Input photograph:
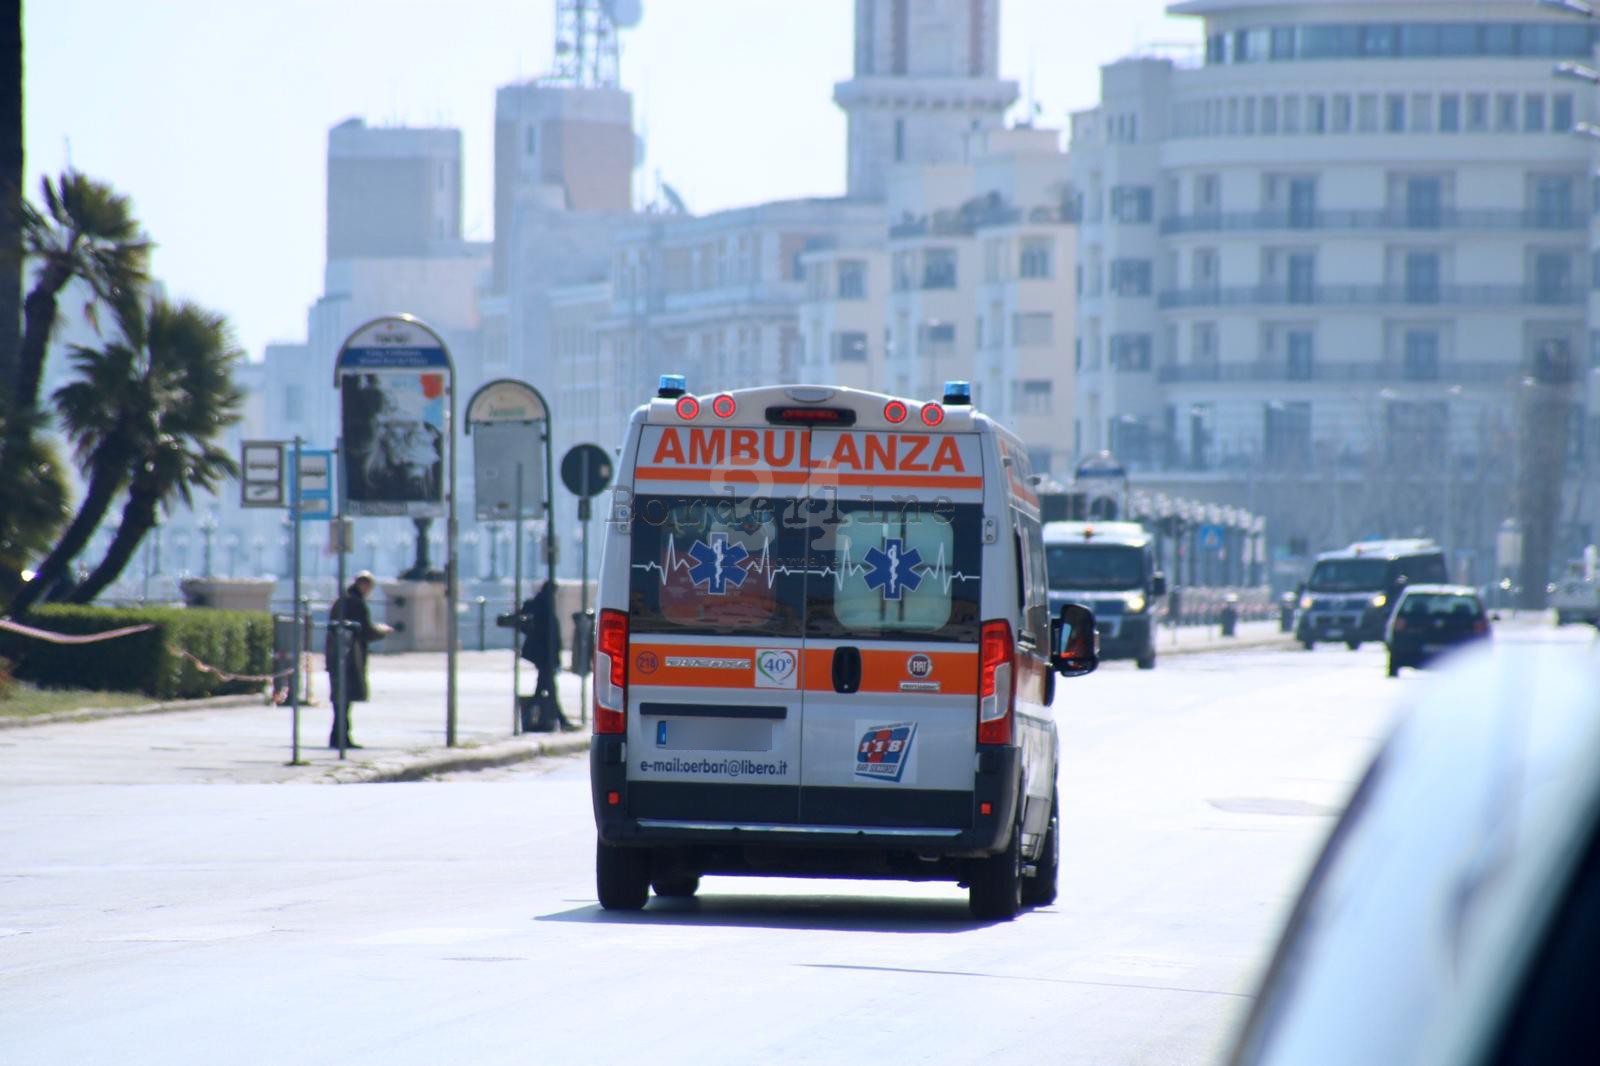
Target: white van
(824, 649)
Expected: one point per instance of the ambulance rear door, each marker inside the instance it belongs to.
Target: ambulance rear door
(716, 608)
(892, 628)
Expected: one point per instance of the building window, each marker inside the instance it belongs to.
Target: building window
(1132, 203)
(1394, 112)
(899, 140)
(1477, 112)
(939, 268)
(1269, 114)
(1505, 112)
(1316, 114)
(1553, 196)
(1302, 277)
(1130, 352)
(1130, 277)
(1033, 329)
(1421, 355)
(936, 339)
(1341, 113)
(1203, 344)
(850, 347)
(1533, 113)
(1449, 113)
(1286, 434)
(1207, 194)
(1552, 277)
(1367, 113)
(1037, 259)
(1422, 277)
(1301, 354)
(1035, 397)
(852, 279)
(1291, 114)
(1561, 113)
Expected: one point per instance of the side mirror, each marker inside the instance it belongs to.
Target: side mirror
(1077, 644)
(1158, 585)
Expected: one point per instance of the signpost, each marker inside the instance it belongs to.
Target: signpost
(397, 401)
(512, 423)
(261, 474)
(261, 484)
(586, 471)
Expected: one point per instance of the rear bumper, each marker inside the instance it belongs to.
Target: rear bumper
(733, 827)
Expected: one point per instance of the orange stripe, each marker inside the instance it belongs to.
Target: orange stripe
(881, 670)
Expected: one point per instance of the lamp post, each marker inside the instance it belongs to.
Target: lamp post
(471, 538)
(258, 550)
(231, 541)
(208, 530)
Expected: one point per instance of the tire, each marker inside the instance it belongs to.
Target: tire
(1309, 645)
(1562, 619)
(676, 887)
(1147, 661)
(995, 890)
(1040, 889)
(1394, 667)
(1353, 645)
(622, 877)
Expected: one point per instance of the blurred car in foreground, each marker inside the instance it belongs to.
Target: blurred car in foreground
(1453, 916)
(1430, 620)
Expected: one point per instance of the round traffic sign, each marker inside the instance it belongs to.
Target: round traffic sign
(586, 470)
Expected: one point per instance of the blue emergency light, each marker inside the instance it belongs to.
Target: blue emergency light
(672, 386)
(958, 394)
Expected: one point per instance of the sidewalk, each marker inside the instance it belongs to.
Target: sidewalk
(240, 739)
(245, 740)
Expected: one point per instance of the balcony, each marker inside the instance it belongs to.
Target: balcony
(1413, 220)
(1333, 373)
(1402, 295)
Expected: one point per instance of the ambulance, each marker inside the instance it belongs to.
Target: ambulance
(824, 649)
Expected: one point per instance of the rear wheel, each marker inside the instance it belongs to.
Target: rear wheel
(1040, 889)
(1352, 644)
(676, 887)
(995, 890)
(1308, 644)
(622, 877)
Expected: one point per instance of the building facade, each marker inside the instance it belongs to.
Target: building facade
(1330, 254)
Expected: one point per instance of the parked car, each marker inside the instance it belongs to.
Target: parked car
(1453, 916)
(1430, 620)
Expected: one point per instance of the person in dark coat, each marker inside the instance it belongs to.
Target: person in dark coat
(541, 646)
(351, 607)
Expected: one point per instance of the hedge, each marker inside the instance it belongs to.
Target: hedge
(235, 642)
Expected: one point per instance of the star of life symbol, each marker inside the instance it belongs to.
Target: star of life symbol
(893, 568)
(717, 564)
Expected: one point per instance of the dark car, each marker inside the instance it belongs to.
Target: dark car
(1430, 620)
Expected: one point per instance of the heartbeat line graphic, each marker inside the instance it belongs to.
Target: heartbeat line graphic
(761, 564)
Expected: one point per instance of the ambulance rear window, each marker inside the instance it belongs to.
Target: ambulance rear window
(896, 570)
(715, 566)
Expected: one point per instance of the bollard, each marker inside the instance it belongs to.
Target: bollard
(1229, 615)
(482, 634)
(1286, 613)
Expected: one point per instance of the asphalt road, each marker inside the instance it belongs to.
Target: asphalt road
(455, 920)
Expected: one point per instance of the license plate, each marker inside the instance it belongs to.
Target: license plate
(1335, 632)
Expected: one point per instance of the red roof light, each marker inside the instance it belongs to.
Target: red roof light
(895, 411)
(688, 407)
(932, 414)
(724, 406)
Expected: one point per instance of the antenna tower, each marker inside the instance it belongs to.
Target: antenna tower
(586, 44)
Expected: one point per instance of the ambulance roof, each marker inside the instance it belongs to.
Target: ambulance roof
(1128, 534)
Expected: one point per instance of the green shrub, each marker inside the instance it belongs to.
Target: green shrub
(235, 642)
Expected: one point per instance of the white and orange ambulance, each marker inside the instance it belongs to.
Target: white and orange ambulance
(824, 648)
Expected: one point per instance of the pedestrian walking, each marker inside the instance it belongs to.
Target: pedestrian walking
(351, 607)
(541, 646)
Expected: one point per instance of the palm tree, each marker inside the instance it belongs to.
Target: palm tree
(36, 499)
(109, 412)
(191, 356)
(87, 231)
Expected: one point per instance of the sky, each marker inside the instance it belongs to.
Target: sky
(212, 115)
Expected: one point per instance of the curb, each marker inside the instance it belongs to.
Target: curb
(1244, 644)
(93, 714)
(420, 765)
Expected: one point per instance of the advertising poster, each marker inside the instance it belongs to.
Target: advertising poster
(394, 438)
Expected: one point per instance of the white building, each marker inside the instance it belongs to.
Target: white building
(1343, 240)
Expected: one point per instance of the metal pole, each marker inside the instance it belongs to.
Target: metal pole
(340, 632)
(516, 611)
(553, 633)
(452, 620)
(338, 515)
(583, 595)
(299, 634)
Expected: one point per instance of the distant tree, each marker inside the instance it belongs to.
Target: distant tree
(190, 356)
(110, 413)
(10, 187)
(86, 232)
(34, 497)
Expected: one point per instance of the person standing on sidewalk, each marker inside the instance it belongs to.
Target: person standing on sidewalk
(541, 646)
(351, 607)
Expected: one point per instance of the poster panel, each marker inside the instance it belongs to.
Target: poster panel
(395, 434)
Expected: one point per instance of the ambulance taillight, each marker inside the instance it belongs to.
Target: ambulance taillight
(997, 683)
(611, 673)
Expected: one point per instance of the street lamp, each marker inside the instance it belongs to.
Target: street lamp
(208, 530)
(231, 541)
(471, 538)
